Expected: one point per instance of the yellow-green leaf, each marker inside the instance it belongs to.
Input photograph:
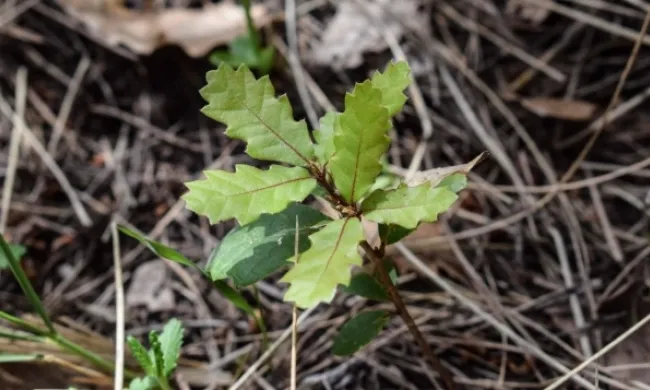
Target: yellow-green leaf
(360, 140)
(253, 114)
(324, 137)
(408, 206)
(248, 192)
(326, 264)
(391, 83)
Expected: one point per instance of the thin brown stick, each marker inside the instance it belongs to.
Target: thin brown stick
(376, 257)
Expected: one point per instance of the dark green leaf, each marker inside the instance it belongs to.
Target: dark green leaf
(159, 249)
(359, 331)
(141, 355)
(239, 301)
(156, 354)
(367, 286)
(251, 252)
(25, 284)
(265, 62)
(391, 234)
(171, 339)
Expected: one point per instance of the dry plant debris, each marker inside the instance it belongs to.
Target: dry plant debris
(143, 31)
(568, 278)
(351, 32)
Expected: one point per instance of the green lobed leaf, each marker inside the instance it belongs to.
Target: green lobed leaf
(391, 83)
(248, 192)
(158, 249)
(359, 331)
(408, 206)
(171, 339)
(324, 136)
(249, 253)
(17, 250)
(140, 354)
(391, 234)
(156, 354)
(360, 140)
(326, 264)
(254, 115)
(367, 286)
(144, 383)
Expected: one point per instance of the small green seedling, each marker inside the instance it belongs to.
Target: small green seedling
(345, 166)
(17, 250)
(160, 360)
(246, 49)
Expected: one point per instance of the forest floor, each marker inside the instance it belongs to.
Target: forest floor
(545, 274)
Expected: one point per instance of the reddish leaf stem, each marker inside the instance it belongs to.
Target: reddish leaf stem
(376, 256)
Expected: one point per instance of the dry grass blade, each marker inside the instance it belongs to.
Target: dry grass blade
(119, 310)
(14, 146)
(571, 374)
(474, 307)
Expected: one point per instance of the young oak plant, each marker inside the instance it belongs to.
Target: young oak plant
(344, 166)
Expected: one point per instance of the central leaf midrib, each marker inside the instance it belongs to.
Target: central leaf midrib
(335, 248)
(275, 133)
(356, 166)
(268, 187)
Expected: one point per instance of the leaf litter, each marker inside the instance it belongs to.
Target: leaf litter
(518, 262)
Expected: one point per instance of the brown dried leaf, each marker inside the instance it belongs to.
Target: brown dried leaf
(196, 31)
(571, 110)
(435, 176)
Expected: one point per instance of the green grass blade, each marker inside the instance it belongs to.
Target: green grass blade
(240, 302)
(25, 285)
(21, 323)
(19, 357)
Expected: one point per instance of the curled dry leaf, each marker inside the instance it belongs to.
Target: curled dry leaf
(435, 176)
(571, 110)
(196, 31)
(357, 28)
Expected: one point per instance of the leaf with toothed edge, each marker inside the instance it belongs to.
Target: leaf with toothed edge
(248, 192)
(324, 137)
(391, 83)
(253, 114)
(171, 339)
(360, 140)
(326, 264)
(408, 206)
